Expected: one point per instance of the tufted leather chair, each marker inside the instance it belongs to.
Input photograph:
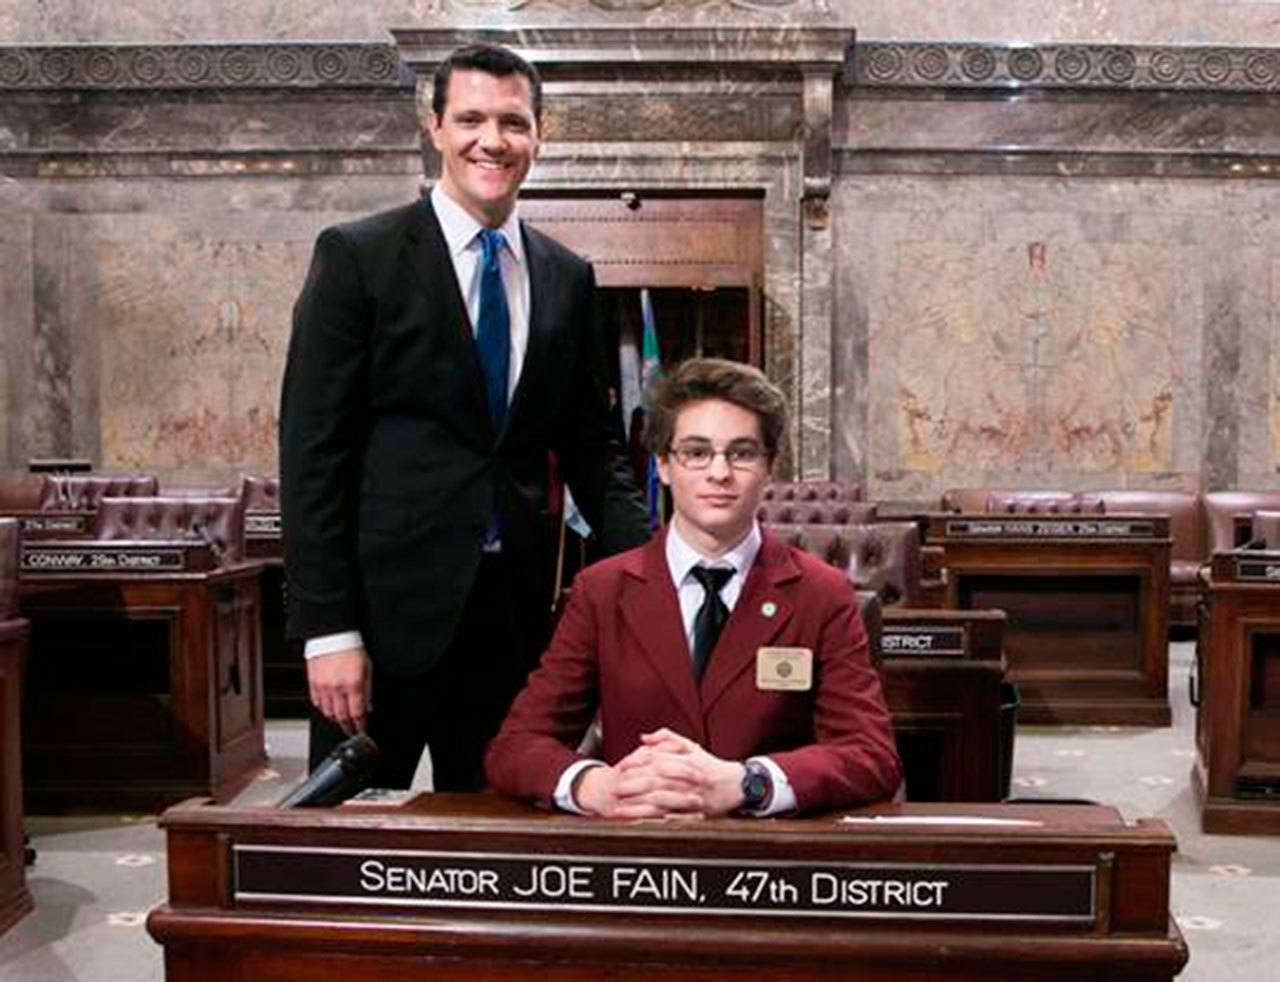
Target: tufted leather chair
(260, 493)
(816, 512)
(812, 491)
(84, 491)
(9, 539)
(883, 557)
(1221, 509)
(1042, 503)
(973, 501)
(217, 521)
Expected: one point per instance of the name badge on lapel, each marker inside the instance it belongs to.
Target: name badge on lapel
(784, 669)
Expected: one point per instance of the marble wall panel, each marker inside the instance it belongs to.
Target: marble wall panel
(1047, 332)
(160, 337)
(1273, 308)
(1244, 264)
(1156, 21)
(17, 315)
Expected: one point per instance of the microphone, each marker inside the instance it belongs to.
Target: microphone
(346, 771)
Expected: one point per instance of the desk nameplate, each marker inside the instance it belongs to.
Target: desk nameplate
(1258, 570)
(922, 641)
(262, 524)
(96, 559)
(412, 879)
(1049, 528)
(54, 523)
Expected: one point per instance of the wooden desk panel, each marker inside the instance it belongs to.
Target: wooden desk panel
(1088, 609)
(474, 887)
(15, 900)
(942, 672)
(142, 689)
(1237, 771)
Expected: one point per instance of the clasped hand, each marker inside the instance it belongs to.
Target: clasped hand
(667, 775)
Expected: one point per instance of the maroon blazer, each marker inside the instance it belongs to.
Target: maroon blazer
(620, 647)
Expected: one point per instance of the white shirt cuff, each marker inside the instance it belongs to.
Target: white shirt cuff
(331, 644)
(563, 795)
(784, 796)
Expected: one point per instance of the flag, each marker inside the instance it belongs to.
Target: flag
(650, 370)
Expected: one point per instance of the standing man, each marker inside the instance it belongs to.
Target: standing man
(730, 670)
(439, 351)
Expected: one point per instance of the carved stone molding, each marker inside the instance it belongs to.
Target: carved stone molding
(913, 64)
(564, 48)
(819, 88)
(622, 7)
(198, 66)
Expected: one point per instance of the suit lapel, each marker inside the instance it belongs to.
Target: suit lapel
(540, 326)
(763, 610)
(651, 611)
(427, 256)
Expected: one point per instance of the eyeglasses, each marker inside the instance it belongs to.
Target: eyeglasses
(739, 456)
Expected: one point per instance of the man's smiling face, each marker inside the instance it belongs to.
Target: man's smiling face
(488, 139)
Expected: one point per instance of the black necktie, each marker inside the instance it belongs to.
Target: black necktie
(711, 615)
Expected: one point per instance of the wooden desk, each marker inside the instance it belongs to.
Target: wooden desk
(1237, 771)
(1088, 605)
(15, 900)
(942, 672)
(144, 681)
(473, 887)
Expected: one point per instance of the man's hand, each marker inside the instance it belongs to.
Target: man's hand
(341, 687)
(611, 792)
(716, 782)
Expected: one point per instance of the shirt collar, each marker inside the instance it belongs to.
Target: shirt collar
(682, 557)
(460, 228)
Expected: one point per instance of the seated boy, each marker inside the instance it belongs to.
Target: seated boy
(730, 670)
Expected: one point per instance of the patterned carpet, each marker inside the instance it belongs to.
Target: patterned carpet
(97, 877)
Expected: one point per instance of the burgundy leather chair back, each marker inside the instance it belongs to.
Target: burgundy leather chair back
(9, 540)
(816, 512)
(85, 491)
(1042, 503)
(260, 493)
(807, 491)
(1222, 507)
(883, 557)
(217, 521)
(1186, 526)
(1012, 501)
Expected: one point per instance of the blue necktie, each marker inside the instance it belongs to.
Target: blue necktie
(493, 332)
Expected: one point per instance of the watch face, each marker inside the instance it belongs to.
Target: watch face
(755, 787)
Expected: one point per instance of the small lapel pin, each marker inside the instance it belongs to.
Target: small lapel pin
(768, 608)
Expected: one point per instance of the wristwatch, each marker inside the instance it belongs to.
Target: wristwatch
(757, 787)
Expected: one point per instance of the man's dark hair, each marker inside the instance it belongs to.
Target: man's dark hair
(714, 378)
(491, 59)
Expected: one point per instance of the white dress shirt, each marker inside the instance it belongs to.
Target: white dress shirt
(681, 559)
(461, 236)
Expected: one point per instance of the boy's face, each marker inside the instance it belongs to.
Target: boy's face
(714, 505)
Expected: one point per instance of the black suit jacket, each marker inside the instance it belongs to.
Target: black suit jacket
(389, 465)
